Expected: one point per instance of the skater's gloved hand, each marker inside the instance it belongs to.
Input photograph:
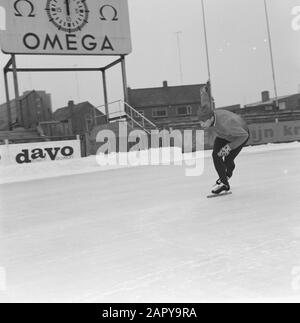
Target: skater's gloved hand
(225, 151)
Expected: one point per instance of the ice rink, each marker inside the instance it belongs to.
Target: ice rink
(149, 234)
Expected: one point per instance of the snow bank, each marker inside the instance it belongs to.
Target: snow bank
(27, 172)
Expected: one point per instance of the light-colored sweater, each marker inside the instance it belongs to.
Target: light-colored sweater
(230, 127)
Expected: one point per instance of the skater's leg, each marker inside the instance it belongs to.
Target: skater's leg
(218, 161)
(229, 160)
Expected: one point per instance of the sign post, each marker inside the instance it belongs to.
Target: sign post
(8, 102)
(65, 27)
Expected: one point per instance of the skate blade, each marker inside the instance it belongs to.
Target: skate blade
(218, 195)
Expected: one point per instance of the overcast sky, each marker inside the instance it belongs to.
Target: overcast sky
(238, 48)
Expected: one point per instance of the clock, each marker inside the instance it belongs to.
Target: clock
(68, 15)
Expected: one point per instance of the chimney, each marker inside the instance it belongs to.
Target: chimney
(71, 106)
(265, 96)
(165, 83)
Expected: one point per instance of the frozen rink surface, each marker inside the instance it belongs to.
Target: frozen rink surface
(149, 234)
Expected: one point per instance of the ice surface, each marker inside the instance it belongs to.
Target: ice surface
(15, 173)
(149, 234)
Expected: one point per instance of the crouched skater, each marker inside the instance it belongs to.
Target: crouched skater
(232, 134)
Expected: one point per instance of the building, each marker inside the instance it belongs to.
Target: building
(168, 106)
(82, 116)
(4, 115)
(285, 103)
(267, 110)
(34, 107)
(233, 108)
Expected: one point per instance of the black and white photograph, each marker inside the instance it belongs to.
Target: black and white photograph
(149, 154)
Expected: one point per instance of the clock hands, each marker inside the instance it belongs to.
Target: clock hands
(67, 2)
(68, 15)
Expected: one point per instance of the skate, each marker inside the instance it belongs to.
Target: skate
(218, 182)
(220, 190)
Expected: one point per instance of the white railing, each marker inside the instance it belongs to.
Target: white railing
(123, 110)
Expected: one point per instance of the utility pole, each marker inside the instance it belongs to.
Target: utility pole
(207, 55)
(271, 53)
(179, 56)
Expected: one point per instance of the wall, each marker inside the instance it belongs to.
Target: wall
(172, 113)
(92, 145)
(272, 133)
(35, 108)
(80, 115)
(292, 102)
(266, 133)
(260, 134)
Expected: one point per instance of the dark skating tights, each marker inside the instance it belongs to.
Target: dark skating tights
(225, 166)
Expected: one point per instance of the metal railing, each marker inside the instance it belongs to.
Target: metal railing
(126, 112)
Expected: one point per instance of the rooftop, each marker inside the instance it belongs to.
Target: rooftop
(270, 101)
(166, 95)
(65, 112)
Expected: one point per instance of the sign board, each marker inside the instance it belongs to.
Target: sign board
(39, 152)
(274, 132)
(66, 27)
(265, 133)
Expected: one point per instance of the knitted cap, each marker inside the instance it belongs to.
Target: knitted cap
(205, 111)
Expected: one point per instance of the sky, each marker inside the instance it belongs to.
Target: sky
(238, 52)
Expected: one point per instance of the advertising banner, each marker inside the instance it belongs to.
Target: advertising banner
(274, 132)
(39, 152)
(265, 133)
(66, 27)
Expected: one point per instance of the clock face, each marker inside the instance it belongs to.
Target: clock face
(68, 15)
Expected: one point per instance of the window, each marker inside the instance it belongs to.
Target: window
(282, 106)
(160, 113)
(184, 111)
